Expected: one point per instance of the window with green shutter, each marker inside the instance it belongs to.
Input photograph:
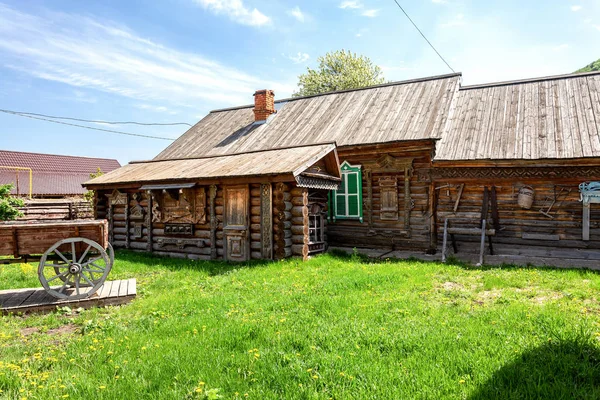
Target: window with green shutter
(346, 202)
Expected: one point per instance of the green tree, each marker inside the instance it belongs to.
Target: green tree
(89, 195)
(595, 66)
(339, 70)
(9, 204)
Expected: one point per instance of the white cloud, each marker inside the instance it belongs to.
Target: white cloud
(576, 8)
(457, 20)
(236, 11)
(597, 27)
(161, 109)
(89, 54)
(370, 13)
(350, 4)
(297, 13)
(439, 1)
(298, 58)
(561, 47)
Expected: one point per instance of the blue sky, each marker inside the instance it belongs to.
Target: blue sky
(159, 61)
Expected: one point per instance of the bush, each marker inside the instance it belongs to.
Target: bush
(9, 204)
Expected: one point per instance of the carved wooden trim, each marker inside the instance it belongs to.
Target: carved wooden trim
(266, 220)
(138, 228)
(136, 211)
(149, 219)
(388, 163)
(369, 200)
(111, 223)
(278, 203)
(180, 243)
(407, 200)
(127, 223)
(117, 198)
(212, 194)
(305, 223)
(515, 173)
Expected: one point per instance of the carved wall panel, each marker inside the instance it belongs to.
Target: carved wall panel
(136, 211)
(388, 186)
(186, 206)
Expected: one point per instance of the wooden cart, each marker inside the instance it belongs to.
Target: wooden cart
(75, 257)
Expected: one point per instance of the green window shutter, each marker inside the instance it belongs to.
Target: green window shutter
(340, 205)
(348, 199)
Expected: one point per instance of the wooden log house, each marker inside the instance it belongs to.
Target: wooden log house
(379, 167)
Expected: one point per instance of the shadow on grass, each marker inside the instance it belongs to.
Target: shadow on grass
(212, 268)
(569, 369)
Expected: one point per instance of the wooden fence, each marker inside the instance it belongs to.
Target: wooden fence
(56, 210)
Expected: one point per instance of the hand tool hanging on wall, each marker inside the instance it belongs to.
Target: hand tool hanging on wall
(551, 201)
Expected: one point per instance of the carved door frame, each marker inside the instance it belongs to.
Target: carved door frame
(236, 238)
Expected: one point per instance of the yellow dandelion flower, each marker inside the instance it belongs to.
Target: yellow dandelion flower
(102, 387)
(461, 381)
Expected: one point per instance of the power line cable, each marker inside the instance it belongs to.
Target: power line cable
(427, 40)
(86, 127)
(98, 121)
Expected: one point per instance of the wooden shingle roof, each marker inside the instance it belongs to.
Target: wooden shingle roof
(544, 118)
(408, 110)
(292, 161)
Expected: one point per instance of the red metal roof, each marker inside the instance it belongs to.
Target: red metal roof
(52, 174)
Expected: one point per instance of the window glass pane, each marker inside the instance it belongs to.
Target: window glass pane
(353, 205)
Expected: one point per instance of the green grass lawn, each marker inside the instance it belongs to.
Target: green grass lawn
(333, 327)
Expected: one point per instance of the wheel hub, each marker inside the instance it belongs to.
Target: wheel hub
(74, 268)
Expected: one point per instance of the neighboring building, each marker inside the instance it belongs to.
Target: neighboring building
(53, 176)
(409, 156)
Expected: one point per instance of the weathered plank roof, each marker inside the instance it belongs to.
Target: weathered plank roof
(544, 118)
(409, 110)
(292, 160)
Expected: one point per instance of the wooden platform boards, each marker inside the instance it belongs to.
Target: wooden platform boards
(37, 300)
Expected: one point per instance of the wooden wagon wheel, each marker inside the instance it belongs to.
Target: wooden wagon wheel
(78, 276)
(61, 264)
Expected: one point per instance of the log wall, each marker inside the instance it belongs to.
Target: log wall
(389, 233)
(522, 231)
(198, 246)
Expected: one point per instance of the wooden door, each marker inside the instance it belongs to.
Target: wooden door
(235, 224)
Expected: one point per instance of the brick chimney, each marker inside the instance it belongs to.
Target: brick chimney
(264, 104)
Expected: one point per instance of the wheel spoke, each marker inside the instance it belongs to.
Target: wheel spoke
(98, 271)
(63, 286)
(77, 278)
(84, 253)
(61, 256)
(91, 261)
(58, 276)
(98, 266)
(55, 266)
(73, 255)
(88, 281)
